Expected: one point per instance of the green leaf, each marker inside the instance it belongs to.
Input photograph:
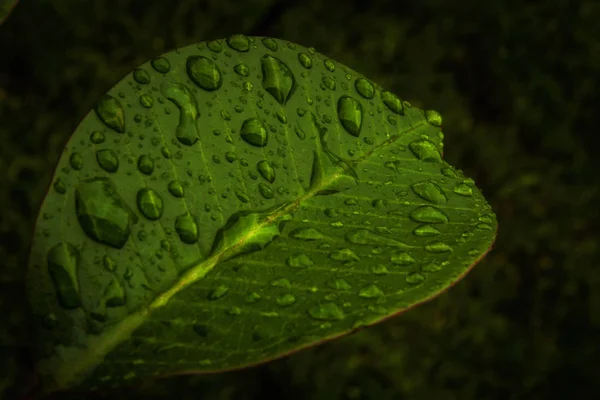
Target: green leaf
(234, 201)
(6, 7)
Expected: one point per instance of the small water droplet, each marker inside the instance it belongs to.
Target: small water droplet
(370, 292)
(253, 132)
(111, 113)
(415, 277)
(438, 247)
(278, 79)
(59, 186)
(392, 102)
(204, 72)
(243, 197)
(364, 88)
(150, 203)
(431, 267)
(344, 255)
(215, 46)
(146, 100)
(449, 172)
(266, 170)
(63, 262)
(426, 230)
(299, 261)
(107, 159)
(176, 188)
(97, 137)
(286, 300)
(327, 312)
(239, 42)
(350, 115)
(463, 189)
(429, 214)
(186, 228)
(76, 161)
(161, 64)
(242, 69)
(145, 165)
(429, 191)
(425, 150)
(305, 60)
(402, 259)
(433, 117)
(141, 76)
(270, 44)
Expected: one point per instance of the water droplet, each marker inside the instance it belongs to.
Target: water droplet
(252, 297)
(463, 189)
(109, 264)
(76, 161)
(150, 203)
(344, 255)
(449, 172)
(426, 230)
(59, 186)
(243, 197)
(204, 72)
(402, 259)
(107, 159)
(350, 115)
(145, 165)
(166, 152)
(215, 46)
(266, 170)
(370, 292)
(429, 191)
(242, 69)
(114, 294)
(180, 95)
(176, 189)
(299, 261)
(286, 300)
(63, 262)
(364, 88)
(327, 312)
(431, 267)
(265, 190)
(278, 80)
(141, 76)
(328, 82)
(270, 44)
(307, 234)
(380, 269)
(425, 150)
(429, 214)
(111, 113)
(284, 283)
(186, 228)
(433, 117)
(329, 64)
(305, 60)
(415, 277)
(392, 102)
(161, 64)
(365, 236)
(146, 100)
(97, 137)
(438, 247)
(339, 284)
(253, 132)
(239, 42)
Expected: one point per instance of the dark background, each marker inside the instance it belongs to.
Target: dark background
(517, 86)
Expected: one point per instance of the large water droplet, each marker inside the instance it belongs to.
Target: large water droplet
(97, 137)
(425, 150)
(426, 230)
(176, 188)
(265, 190)
(364, 88)
(429, 191)
(278, 79)
(102, 213)
(305, 60)
(370, 292)
(307, 234)
(286, 300)
(76, 161)
(186, 131)
(429, 214)
(150, 203)
(438, 247)
(186, 228)
(161, 64)
(365, 236)
(239, 42)
(402, 259)
(204, 72)
(111, 113)
(63, 261)
(392, 102)
(145, 165)
(270, 44)
(344, 255)
(242, 69)
(141, 76)
(350, 115)
(108, 160)
(433, 117)
(327, 312)
(463, 189)
(266, 170)
(299, 261)
(253, 132)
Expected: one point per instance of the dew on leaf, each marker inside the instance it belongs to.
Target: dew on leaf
(433, 117)
(145, 164)
(370, 292)
(430, 192)
(429, 214)
(253, 132)
(150, 203)
(111, 113)
(252, 297)
(463, 189)
(327, 312)
(76, 161)
(283, 282)
(305, 60)
(161, 64)
(402, 259)
(307, 234)
(426, 230)
(270, 44)
(146, 100)
(186, 228)
(180, 95)
(265, 190)
(114, 294)
(425, 150)
(266, 170)
(239, 42)
(107, 159)
(278, 79)
(339, 284)
(299, 261)
(344, 255)
(431, 267)
(242, 69)
(415, 277)
(97, 137)
(63, 262)
(286, 300)
(449, 172)
(379, 269)
(204, 73)
(365, 236)
(141, 76)
(438, 247)
(392, 102)
(176, 188)
(350, 114)
(364, 88)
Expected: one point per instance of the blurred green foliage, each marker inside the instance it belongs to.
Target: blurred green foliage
(517, 85)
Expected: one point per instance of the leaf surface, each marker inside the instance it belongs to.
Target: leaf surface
(233, 201)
